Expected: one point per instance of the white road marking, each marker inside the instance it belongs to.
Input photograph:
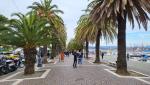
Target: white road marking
(11, 76)
(31, 78)
(17, 82)
(55, 62)
(107, 66)
(8, 80)
(45, 73)
(90, 62)
(71, 65)
(137, 78)
(109, 70)
(112, 72)
(143, 80)
(141, 73)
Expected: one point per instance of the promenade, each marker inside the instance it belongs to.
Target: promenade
(62, 73)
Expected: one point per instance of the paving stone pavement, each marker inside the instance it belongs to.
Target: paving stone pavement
(63, 73)
(7, 83)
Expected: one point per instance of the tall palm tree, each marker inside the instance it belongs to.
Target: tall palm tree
(107, 32)
(117, 12)
(87, 31)
(84, 32)
(50, 12)
(26, 32)
(46, 10)
(59, 37)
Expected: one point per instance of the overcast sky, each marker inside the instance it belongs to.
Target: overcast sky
(72, 11)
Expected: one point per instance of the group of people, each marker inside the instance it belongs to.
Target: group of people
(78, 58)
(67, 53)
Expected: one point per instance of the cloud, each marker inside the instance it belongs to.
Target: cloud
(72, 12)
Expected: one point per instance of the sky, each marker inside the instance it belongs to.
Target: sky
(72, 11)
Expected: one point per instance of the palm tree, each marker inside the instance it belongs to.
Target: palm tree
(74, 45)
(87, 31)
(3, 20)
(26, 32)
(84, 32)
(107, 32)
(117, 12)
(59, 37)
(3, 24)
(46, 10)
(58, 43)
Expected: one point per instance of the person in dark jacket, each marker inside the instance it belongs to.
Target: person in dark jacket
(102, 55)
(75, 59)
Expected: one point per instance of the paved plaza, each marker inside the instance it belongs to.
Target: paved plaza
(62, 73)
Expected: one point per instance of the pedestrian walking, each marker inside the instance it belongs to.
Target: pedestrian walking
(20, 59)
(80, 57)
(62, 56)
(68, 53)
(41, 51)
(39, 58)
(48, 54)
(75, 59)
(102, 55)
(128, 56)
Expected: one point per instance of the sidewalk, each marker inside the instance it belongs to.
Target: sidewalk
(62, 73)
(139, 66)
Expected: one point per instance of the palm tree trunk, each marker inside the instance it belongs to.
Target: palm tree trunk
(87, 49)
(97, 60)
(30, 56)
(121, 59)
(45, 55)
(53, 50)
(58, 49)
